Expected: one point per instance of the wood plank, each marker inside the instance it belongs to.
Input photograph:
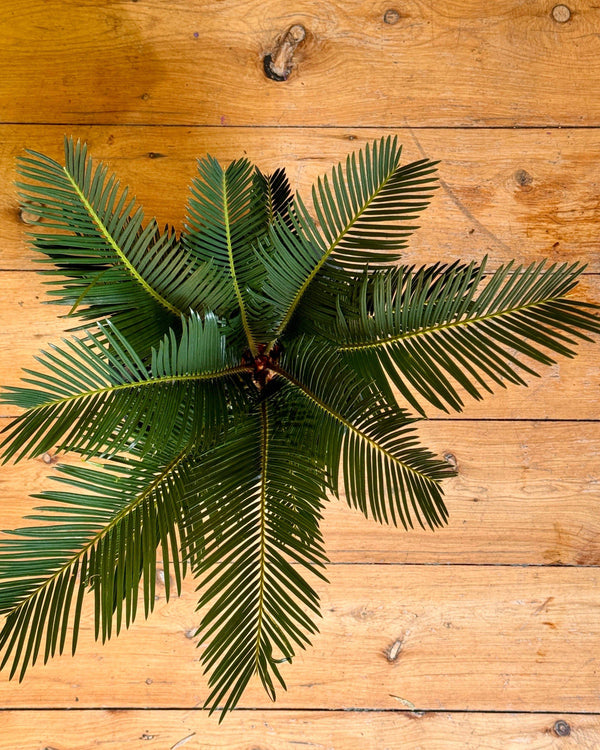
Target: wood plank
(525, 494)
(461, 63)
(526, 194)
(566, 390)
(287, 730)
(474, 638)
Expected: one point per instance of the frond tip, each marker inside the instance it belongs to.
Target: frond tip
(432, 333)
(258, 538)
(100, 537)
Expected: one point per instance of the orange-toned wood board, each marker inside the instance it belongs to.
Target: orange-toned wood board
(565, 390)
(294, 730)
(522, 194)
(515, 501)
(426, 637)
(460, 63)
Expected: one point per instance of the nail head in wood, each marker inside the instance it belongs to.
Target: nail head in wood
(561, 13)
(28, 217)
(391, 16)
(562, 729)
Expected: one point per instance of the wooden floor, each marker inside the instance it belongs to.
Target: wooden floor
(485, 634)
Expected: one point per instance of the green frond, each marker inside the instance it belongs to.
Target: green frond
(430, 333)
(224, 221)
(332, 299)
(385, 473)
(101, 399)
(365, 214)
(259, 529)
(100, 536)
(106, 263)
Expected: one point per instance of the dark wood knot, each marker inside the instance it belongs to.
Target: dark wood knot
(279, 63)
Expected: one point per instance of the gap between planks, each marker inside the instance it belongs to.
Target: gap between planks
(304, 709)
(214, 126)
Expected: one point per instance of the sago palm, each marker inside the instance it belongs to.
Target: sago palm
(229, 379)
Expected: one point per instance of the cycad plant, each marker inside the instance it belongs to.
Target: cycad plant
(227, 380)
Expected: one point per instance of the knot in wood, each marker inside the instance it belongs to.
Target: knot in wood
(450, 458)
(393, 652)
(279, 64)
(523, 178)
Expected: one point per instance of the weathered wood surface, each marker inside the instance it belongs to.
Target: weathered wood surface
(461, 62)
(475, 638)
(291, 730)
(565, 390)
(517, 499)
(526, 194)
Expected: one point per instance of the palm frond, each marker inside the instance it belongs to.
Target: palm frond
(347, 296)
(99, 397)
(385, 473)
(106, 262)
(101, 539)
(259, 529)
(432, 333)
(224, 220)
(365, 214)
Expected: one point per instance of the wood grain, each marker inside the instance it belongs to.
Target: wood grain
(525, 194)
(517, 499)
(475, 638)
(460, 63)
(290, 730)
